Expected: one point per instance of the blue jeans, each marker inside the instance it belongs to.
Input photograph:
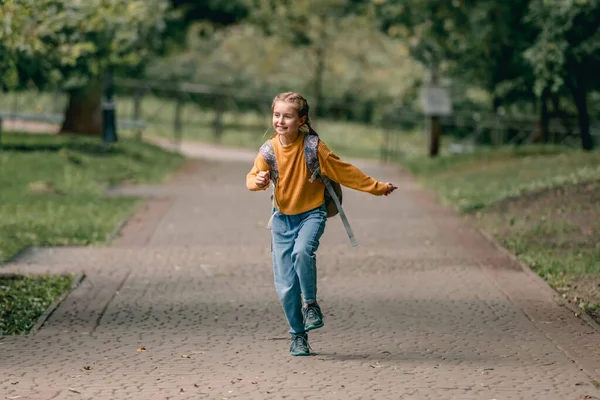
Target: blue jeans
(295, 239)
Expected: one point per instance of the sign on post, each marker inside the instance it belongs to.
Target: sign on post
(435, 100)
(436, 103)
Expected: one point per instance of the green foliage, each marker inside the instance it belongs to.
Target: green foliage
(23, 299)
(53, 185)
(471, 42)
(568, 43)
(72, 41)
(260, 58)
(216, 12)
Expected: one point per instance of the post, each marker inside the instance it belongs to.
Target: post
(177, 120)
(109, 128)
(436, 103)
(385, 145)
(56, 100)
(435, 133)
(219, 109)
(434, 138)
(137, 111)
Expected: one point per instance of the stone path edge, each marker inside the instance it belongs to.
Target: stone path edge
(151, 206)
(577, 312)
(519, 265)
(77, 279)
(145, 205)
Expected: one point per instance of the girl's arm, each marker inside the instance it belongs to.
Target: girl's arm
(260, 165)
(347, 174)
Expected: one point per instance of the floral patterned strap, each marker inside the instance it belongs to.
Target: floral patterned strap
(268, 153)
(311, 146)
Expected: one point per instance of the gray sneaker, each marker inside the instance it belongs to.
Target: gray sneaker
(299, 345)
(313, 317)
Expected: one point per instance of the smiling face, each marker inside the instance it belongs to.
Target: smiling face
(286, 120)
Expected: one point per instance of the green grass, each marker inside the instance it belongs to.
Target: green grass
(473, 181)
(52, 188)
(24, 298)
(539, 202)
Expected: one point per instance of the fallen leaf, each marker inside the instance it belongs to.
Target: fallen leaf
(141, 349)
(74, 390)
(40, 187)
(87, 368)
(185, 356)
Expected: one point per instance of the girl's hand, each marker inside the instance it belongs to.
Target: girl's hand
(263, 178)
(390, 188)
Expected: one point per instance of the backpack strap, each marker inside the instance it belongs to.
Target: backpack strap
(268, 153)
(311, 145)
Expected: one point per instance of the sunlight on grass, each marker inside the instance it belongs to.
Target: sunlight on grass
(53, 185)
(23, 299)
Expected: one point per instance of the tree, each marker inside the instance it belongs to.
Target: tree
(74, 43)
(480, 42)
(14, 15)
(205, 17)
(567, 53)
(310, 24)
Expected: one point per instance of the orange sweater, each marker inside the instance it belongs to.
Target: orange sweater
(294, 193)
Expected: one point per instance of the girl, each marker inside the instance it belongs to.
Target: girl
(299, 212)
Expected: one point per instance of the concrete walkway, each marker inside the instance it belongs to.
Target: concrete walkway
(182, 305)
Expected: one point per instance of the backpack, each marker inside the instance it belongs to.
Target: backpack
(333, 192)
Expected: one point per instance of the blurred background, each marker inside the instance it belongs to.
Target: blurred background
(499, 72)
(493, 105)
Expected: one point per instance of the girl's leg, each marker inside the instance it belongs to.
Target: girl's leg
(287, 283)
(303, 254)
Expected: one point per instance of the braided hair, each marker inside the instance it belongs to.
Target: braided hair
(301, 106)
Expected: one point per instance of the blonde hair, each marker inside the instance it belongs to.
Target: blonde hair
(301, 106)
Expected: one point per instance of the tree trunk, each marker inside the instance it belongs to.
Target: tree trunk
(84, 111)
(545, 117)
(580, 97)
(434, 140)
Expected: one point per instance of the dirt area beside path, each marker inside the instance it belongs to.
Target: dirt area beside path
(557, 233)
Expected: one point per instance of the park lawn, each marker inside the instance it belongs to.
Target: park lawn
(52, 188)
(542, 203)
(24, 298)
(51, 195)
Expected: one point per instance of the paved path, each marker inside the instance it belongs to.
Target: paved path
(183, 306)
